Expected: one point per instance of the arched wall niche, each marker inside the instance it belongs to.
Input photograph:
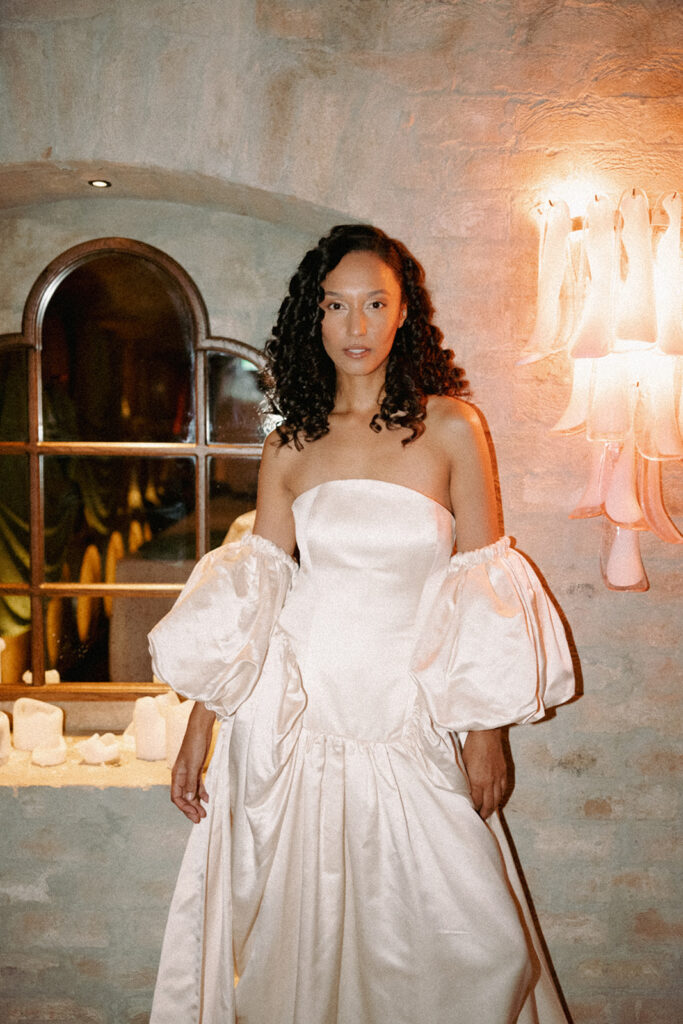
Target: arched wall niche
(110, 511)
(36, 182)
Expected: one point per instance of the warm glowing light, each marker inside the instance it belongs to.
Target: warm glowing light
(610, 295)
(577, 193)
(99, 183)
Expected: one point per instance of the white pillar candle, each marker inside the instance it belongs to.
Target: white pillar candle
(167, 700)
(176, 724)
(150, 730)
(128, 738)
(5, 743)
(51, 676)
(36, 723)
(49, 755)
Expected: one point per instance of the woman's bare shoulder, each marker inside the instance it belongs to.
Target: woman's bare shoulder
(453, 420)
(276, 453)
(280, 463)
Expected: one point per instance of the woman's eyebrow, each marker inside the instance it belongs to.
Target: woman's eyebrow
(378, 291)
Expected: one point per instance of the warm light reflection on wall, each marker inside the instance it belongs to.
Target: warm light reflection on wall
(610, 294)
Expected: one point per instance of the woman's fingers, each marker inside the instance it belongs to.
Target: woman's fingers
(488, 797)
(486, 768)
(188, 792)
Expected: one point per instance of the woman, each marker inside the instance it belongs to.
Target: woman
(343, 856)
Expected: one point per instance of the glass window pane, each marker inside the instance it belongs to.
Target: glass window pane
(103, 512)
(15, 558)
(15, 630)
(14, 395)
(15, 561)
(234, 401)
(117, 361)
(95, 639)
(232, 494)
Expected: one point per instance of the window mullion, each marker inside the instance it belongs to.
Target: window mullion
(202, 407)
(36, 518)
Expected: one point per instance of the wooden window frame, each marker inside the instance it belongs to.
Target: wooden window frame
(30, 339)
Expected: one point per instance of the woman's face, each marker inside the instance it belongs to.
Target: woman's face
(363, 309)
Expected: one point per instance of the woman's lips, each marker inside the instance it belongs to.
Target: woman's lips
(356, 353)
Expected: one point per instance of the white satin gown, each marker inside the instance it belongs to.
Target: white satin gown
(341, 866)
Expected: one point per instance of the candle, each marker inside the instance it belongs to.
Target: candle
(5, 744)
(100, 749)
(36, 724)
(51, 677)
(49, 755)
(150, 730)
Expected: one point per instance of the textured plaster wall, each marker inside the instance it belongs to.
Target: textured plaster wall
(446, 123)
(240, 264)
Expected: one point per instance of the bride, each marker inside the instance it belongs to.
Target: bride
(345, 856)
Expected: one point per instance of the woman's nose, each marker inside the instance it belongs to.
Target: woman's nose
(358, 323)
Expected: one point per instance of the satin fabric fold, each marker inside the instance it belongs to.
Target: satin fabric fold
(342, 867)
(493, 650)
(212, 644)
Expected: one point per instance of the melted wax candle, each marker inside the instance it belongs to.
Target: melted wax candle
(47, 756)
(5, 744)
(149, 720)
(100, 749)
(36, 724)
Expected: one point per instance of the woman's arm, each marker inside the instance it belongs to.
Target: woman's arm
(274, 517)
(472, 486)
(275, 522)
(187, 785)
(473, 499)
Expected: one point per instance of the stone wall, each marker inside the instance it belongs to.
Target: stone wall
(250, 122)
(84, 901)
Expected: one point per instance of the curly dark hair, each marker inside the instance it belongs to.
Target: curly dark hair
(300, 378)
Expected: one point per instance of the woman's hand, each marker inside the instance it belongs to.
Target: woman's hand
(486, 768)
(187, 785)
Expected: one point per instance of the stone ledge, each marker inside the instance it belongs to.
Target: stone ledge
(131, 773)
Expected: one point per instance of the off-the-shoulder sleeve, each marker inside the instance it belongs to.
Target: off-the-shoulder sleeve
(212, 644)
(492, 650)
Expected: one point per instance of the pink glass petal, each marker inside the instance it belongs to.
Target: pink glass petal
(612, 399)
(602, 460)
(574, 416)
(595, 334)
(620, 562)
(550, 330)
(621, 500)
(669, 280)
(658, 434)
(651, 499)
(636, 315)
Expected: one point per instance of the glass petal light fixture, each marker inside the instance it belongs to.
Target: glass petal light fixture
(610, 295)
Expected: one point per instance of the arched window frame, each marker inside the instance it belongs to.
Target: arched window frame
(200, 449)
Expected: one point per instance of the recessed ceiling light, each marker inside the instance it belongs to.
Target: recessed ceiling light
(100, 183)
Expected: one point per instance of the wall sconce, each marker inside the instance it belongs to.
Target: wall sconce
(610, 294)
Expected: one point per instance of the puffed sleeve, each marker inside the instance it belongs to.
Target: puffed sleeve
(492, 650)
(212, 644)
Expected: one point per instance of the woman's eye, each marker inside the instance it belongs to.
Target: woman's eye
(377, 304)
(333, 305)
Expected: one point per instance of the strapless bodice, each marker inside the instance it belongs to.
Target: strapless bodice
(367, 549)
